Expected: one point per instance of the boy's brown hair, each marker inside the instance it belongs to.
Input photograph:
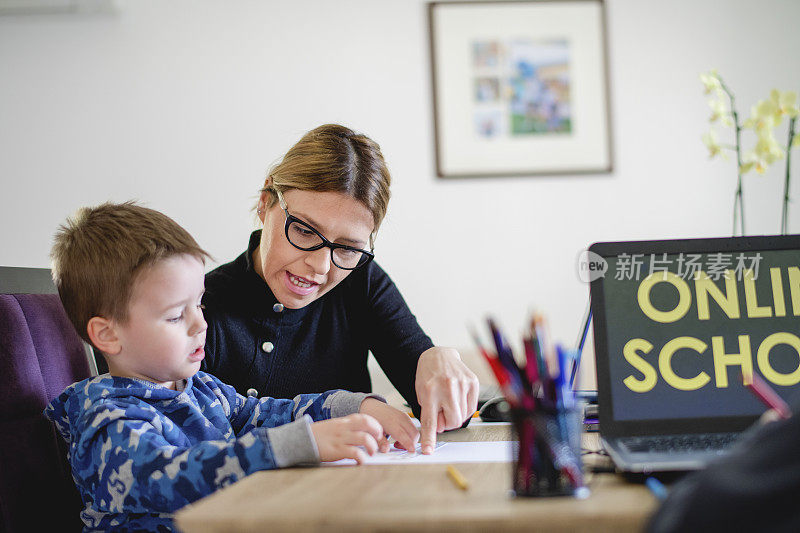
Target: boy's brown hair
(100, 251)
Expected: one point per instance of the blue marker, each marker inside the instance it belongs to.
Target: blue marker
(657, 488)
(566, 396)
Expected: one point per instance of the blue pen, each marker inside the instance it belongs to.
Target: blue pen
(565, 402)
(657, 488)
(562, 381)
(537, 330)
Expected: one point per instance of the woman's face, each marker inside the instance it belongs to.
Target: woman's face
(297, 277)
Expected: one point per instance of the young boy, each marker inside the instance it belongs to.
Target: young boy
(155, 433)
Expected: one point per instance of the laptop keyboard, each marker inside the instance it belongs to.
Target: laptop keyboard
(680, 443)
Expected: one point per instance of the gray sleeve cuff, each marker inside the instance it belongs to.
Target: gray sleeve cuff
(343, 403)
(293, 443)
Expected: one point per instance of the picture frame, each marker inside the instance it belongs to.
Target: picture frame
(520, 88)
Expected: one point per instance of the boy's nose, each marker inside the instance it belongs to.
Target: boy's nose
(199, 324)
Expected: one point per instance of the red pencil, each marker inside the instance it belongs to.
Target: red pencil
(766, 394)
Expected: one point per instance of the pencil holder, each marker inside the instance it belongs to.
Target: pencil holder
(547, 452)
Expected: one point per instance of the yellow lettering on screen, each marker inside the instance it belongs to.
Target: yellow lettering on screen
(794, 289)
(629, 351)
(728, 301)
(763, 359)
(777, 292)
(722, 360)
(665, 363)
(684, 297)
(751, 298)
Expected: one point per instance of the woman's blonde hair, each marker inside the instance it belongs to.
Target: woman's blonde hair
(333, 158)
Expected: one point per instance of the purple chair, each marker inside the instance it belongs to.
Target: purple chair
(40, 355)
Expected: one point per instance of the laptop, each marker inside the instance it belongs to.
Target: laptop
(676, 325)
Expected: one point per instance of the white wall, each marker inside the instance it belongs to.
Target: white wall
(184, 104)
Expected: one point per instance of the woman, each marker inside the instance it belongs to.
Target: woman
(301, 308)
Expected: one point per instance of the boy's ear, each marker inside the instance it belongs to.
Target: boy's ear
(103, 335)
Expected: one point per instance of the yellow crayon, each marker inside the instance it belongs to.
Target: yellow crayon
(459, 480)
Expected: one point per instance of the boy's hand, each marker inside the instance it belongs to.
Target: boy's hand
(395, 422)
(340, 438)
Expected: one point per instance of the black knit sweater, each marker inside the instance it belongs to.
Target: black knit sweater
(754, 488)
(252, 344)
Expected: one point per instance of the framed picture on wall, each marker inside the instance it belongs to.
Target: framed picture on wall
(520, 88)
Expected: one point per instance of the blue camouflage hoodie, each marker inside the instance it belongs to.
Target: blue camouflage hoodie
(140, 451)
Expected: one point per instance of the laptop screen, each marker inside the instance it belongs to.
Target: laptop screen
(678, 322)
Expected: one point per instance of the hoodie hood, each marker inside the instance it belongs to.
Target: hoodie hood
(78, 397)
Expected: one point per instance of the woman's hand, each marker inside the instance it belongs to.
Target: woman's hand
(447, 391)
(342, 438)
(395, 422)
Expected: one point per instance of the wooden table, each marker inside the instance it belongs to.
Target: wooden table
(413, 497)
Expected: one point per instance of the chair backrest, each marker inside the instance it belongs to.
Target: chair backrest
(25, 280)
(40, 355)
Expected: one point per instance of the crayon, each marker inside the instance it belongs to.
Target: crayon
(458, 479)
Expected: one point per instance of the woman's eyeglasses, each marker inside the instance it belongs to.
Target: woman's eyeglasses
(305, 237)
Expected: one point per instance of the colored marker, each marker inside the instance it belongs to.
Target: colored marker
(657, 488)
(506, 358)
(767, 395)
(531, 365)
(497, 369)
(537, 329)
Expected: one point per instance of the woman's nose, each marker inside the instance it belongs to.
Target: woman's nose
(319, 260)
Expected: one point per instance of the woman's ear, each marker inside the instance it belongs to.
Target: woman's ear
(261, 210)
(103, 335)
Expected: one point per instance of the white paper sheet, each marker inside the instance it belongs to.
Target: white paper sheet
(445, 452)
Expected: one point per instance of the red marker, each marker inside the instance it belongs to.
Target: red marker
(767, 395)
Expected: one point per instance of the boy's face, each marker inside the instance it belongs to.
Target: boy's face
(162, 340)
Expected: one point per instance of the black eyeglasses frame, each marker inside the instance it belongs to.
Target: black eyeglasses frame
(325, 242)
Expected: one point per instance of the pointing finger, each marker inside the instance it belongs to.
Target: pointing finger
(430, 415)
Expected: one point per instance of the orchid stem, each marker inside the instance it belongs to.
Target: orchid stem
(785, 211)
(738, 201)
